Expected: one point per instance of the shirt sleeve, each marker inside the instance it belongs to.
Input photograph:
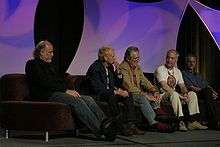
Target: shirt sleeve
(186, 79)
(180, 77)
(160, 74)
(150, 87)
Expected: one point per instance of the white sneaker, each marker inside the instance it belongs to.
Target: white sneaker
(182, 126)
(196, 126)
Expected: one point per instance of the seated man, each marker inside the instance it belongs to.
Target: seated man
(134, 81)
(198, 84)
(171, 72)
(45, 82)
(105, 85)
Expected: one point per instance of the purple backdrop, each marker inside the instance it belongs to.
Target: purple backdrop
(153, 27)
(16, 34)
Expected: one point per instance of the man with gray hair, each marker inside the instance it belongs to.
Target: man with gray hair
(45, 83)
(105, 86)
(141, 90)
(168, 76)
(195, 82)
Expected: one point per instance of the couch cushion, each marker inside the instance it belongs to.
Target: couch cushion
(78, 83)
(14, 87)
(35, 116)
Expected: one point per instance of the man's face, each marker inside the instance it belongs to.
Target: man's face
(46, 53)
(191, 63)
(171, 60)
(110, 57)
(134, 59)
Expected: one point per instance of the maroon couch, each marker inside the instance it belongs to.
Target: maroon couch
(18, 112)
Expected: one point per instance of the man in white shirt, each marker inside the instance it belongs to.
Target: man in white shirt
(168, 76)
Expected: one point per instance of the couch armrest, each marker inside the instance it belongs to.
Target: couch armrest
(35, 116)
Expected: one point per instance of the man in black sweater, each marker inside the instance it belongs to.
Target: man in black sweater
(47, 85)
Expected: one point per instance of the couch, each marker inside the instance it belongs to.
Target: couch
(19, 112)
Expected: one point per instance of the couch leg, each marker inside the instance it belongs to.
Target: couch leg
(6, 134)
(76, 132)
(46, 136)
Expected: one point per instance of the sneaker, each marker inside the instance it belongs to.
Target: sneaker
(196, 126)
(182, 126)
(126, 129)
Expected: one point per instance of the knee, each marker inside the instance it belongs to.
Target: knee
(77, 100)
(88, 98)
(175, 96)
(142, 100)
(192, 96)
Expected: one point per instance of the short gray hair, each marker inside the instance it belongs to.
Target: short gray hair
(41, 45)
(103, 51)
(129, 51)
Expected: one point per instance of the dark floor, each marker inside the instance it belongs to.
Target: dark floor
(208, 138)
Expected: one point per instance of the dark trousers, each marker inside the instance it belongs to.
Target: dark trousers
(210, 109)
(113, 102)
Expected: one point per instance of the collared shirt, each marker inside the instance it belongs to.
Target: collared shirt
(107, 78)
(194, 79)
(162, 74)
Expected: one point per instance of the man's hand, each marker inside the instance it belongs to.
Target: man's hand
(184, 97)
(214, 94)
(121, 92)
(151, 98)
(73, 93)
(157, 95)
(195, 89)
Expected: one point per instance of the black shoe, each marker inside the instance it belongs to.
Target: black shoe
(136, 130)
(217, 126)
(127, 132)
(109, 129)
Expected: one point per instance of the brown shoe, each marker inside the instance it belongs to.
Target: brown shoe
(127, 132)
(137, 131)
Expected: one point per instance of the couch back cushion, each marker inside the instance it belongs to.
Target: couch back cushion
(78, 83)
(14, 87)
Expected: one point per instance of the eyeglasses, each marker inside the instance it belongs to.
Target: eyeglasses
(135, 59)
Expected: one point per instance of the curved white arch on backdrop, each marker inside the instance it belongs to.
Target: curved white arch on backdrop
(210, 18)
(153, 27)
(16, 34)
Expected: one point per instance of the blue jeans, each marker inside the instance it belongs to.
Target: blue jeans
(84, 107)
(146, 108)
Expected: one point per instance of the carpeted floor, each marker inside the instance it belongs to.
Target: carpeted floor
(208, 138)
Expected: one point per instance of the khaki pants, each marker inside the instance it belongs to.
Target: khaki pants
(177, 104)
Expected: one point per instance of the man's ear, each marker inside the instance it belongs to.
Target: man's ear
(41, 52)
(104, 59)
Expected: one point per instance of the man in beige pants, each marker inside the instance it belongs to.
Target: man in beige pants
(169, 76)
